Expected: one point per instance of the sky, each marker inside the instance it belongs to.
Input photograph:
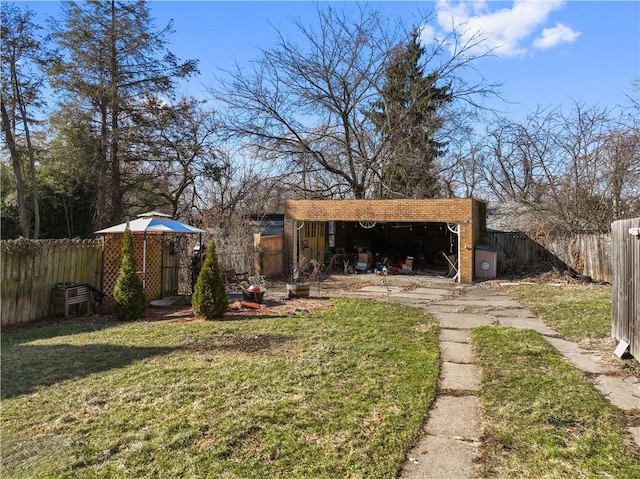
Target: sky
(545, 53)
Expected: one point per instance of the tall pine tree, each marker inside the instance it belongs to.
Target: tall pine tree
(110, 57)
(408, 116)
(21, 83)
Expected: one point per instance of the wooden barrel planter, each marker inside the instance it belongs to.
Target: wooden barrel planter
(298, 290)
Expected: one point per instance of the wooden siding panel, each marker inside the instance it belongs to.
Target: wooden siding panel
(588, 255)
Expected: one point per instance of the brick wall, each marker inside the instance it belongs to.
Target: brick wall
(466, 212)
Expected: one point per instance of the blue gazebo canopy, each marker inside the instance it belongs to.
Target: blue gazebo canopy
(152, 222)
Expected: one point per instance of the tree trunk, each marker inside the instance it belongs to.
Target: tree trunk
(16, 162)
(32, 163)
(116, 195)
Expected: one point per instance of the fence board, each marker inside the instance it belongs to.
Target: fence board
(584, 254)
(31, 268)
(269, 254)
(626, 284)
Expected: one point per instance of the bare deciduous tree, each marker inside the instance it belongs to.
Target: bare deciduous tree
(176, 144)
(306, 105)
(580, 169)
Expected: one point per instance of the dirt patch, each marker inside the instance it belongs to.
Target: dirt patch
(275, 303)
(279, 307)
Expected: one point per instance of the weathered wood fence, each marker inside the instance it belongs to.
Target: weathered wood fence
(586, 255)
(269, 251)
(626, 283)
(31, 268)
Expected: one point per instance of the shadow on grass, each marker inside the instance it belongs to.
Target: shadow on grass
(51, 329)
(26, 367)
(258, 343)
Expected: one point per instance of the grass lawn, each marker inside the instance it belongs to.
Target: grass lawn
(542, 418)
(579, 313)
(330, 394)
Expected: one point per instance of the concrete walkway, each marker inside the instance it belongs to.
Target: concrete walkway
(452, 434)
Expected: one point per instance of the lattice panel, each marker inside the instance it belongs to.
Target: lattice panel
(112, 252)
(153, 283)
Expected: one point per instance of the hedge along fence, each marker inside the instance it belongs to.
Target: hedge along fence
(30, 269)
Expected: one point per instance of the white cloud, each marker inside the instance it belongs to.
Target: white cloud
(505, 31)
(428, 34)
(555, 36)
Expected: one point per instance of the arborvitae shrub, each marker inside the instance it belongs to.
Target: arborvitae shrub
(129, 300)
(209, 299)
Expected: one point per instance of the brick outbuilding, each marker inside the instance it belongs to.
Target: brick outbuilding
(433, 233)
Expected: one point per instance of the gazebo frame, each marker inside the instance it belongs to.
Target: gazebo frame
(150, 226)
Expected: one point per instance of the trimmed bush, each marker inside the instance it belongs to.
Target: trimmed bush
(209, 299)
(129, 299)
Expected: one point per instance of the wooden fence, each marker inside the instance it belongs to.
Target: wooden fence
(269, 251)
(31, 268)
(626, 283)
(586, 255)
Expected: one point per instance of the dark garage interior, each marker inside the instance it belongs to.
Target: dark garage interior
(429, 246)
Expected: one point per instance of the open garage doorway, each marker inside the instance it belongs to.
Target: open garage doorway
(410, 236)
(401, 247)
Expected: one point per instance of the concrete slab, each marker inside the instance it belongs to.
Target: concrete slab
(585, 362)
(461, 377)
(455, 335)
(622, 392)
(564, 346)
(528, 323)
(431, 293)
(453, 352)
(456, 417)
(411, 295)
(462, 321)
(411, 299)
(443, 308)
(441, 458)
(476, 306)
(516, 313)
(579, 358)
(380, 289)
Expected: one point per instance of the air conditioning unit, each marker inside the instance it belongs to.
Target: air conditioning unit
(485, 263)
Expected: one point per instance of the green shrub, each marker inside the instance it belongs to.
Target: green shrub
(129, 300)
(209, 299)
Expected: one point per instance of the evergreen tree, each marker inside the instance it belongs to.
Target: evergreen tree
(129, 300)
(111, 56)
(408, 115)
(21, 94)
(209, 298)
